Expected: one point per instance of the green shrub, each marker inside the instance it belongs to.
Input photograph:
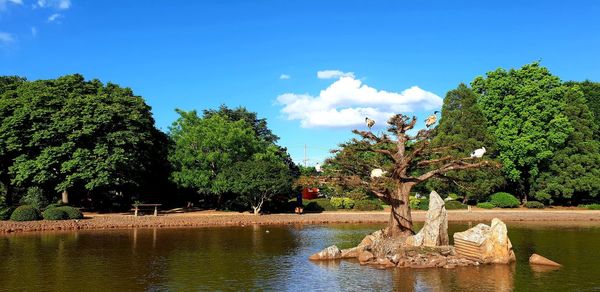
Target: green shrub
(485, 205)
(55, 214)
(424, 204)
(342, 203)
(368, 205)
(504, 200)
(414, 202)
(5, 212)
(318, 205)
(35, 198)
(455, 205)
(534, 205)
(590, 206)
(26, 213)
(55, 205)
(72, 212)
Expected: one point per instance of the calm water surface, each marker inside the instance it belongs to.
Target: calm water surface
(275, 258)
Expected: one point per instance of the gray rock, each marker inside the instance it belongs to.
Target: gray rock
(330, 253)
(435, 229)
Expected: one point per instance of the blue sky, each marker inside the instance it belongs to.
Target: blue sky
(391, 55)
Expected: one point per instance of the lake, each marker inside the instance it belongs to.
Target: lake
(275, 258)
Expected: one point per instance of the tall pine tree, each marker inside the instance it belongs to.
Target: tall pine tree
(464, 125)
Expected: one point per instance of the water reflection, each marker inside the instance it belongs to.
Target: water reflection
(250, 258)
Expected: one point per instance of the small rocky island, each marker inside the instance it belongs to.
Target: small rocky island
(429, 248)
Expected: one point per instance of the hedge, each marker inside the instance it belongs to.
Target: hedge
(504, 200)
(342, 203)
(318, 205)
(368, 205)
(26, 213)
(455, 205)
(591, 206)
(72, 212)
(485, 205)
(54, 214)
(534, 205)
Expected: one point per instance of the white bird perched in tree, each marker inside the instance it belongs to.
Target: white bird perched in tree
(431, 119)
(377, 172)
(478, 152)
(370, 123)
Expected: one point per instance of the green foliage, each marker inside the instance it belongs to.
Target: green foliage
(5, 212)
(574, 170)
(204, 147)
(34, 198)
(423, 204)
(455, 205)
(54, 214)
(591, 92)
(26, 213)
(590, 206)
(504, 200)
(368, 205)
(72, 212)
(534, 205)
(414, 202)
(525, 112)
(464, 125)
(255, 181)
(318, 205)
(342, 203)
(485, 205)
(72, 134)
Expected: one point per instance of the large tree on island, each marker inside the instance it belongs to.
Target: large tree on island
(414, 162)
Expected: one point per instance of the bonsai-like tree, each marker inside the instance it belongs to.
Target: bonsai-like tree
(414, 161)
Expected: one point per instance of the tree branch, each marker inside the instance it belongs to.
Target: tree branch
(456, 165)
(433, 161)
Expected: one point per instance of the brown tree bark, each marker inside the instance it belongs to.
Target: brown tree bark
(400, 222)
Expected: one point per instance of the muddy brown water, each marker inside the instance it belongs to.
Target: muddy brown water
(274, 258)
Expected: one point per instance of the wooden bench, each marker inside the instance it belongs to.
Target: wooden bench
(139, 206)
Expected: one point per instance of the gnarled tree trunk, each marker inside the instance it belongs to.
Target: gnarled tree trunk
(400, 222)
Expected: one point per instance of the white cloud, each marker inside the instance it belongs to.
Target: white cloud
(58, 4)
(333, 74)
(284, 77)
(348, 101)
(54, 17)
(3, 3)
(6, 39)
(34, 31)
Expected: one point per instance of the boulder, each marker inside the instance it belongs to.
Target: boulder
(330, 253)
(365, 257)
(485, 244)
(536, 259)
(435, 229)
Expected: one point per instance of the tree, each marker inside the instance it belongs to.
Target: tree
(591, 92)
(204, 147)
(574, 170)
(261, 130)
(241, 113)
(463, 124)
(256, 181)
(525, 112)
(8, 151)
(414, 161)
(71, 134)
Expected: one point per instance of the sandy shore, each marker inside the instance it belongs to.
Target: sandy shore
(212, 218)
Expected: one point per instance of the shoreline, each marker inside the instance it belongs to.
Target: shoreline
(199, 219)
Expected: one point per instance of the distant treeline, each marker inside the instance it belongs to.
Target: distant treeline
(96, 145)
